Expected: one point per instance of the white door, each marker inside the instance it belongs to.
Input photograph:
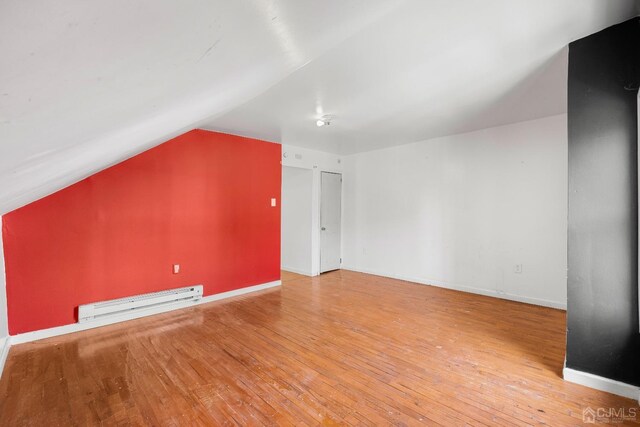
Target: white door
(330, 220)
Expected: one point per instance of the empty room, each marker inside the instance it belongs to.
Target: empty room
(293, 212)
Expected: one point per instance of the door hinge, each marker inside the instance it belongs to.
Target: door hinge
(340, 260)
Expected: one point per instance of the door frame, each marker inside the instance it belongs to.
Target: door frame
(311, 160)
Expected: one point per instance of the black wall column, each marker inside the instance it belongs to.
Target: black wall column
(602, 314)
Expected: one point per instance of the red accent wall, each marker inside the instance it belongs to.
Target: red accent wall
(201, 200)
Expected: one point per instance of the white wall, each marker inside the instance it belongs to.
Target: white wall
(461, 211)
(316, 161)
(297, 187)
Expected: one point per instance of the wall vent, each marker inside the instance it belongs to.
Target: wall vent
(129, 305)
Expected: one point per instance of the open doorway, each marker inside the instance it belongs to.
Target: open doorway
(330, 221)
(297, 208)
(301, 241)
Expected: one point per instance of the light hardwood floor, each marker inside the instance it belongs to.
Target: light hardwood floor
(343, 348)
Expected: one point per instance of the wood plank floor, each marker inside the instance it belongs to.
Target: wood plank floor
(343, 348)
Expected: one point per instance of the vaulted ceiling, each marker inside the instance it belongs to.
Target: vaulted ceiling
(428, 69)
(85, 84)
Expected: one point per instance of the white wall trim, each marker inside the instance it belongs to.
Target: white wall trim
(601, 383)
(297, 271)
(77, 327)
(241, 291)
(5, 345)
(456, 287)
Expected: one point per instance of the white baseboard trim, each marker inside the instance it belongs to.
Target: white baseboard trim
(5, 345)
(241, 291)
(297, 271)
(77, 327)
(601, 383)
(456, 287)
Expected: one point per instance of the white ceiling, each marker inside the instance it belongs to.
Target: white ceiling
(428, 69)
(85, 84)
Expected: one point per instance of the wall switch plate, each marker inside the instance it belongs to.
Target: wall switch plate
(273, 202)
(518, 269)
(176, 268)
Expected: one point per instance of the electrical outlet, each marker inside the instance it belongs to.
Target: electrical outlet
(273, 202)
(176, 268)
(518, 269)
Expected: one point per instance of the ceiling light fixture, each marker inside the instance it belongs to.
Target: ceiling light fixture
(324, 121)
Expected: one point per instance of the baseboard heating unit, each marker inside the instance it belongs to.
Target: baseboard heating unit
(144, 302)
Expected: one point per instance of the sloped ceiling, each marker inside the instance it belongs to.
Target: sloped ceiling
(85, 83)
(429, 69)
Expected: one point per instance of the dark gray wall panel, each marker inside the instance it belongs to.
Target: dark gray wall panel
(602, 314)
